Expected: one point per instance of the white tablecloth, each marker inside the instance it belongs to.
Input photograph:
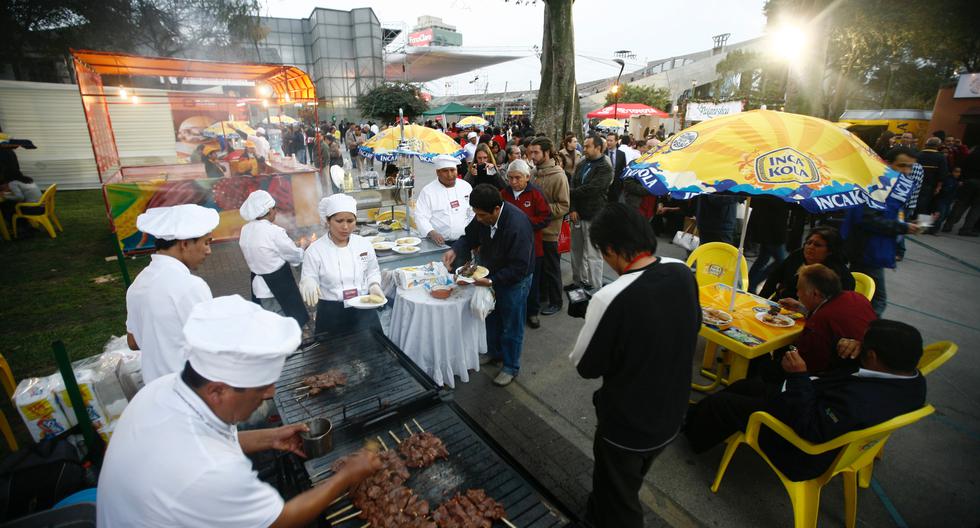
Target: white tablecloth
(442, 337)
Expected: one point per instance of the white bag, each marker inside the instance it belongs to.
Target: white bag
(482, 302)
(687, 240)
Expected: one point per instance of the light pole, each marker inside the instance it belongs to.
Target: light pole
(615, 88)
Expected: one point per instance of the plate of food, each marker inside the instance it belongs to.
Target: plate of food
(779, 321)
(441, 292)
(472, 271)
(377, 239)
(716, 317)
(405, 250)
(781, 311)
(383, 246)
(367, 302)
(408, 241)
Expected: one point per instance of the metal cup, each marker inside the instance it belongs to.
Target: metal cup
(319, 440)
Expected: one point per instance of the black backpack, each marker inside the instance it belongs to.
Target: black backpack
(36, 477)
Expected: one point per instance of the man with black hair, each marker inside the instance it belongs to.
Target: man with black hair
(587, 193)
(160, 299)
(505, 239)
(617, 160)
(820, 408)
(642, 349)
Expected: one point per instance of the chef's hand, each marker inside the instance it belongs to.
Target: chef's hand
(914, 229)
(359, 466)
(448, 258)
(848, 348)
(792, 305)
(310, 291)
(483, 282)
(286, 438)
(792, 362)
(436, 237)
(573, 216)
(375, 289)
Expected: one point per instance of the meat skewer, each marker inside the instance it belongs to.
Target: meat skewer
(474, 508)
(338, 512)
(422, 449)
(320, 382)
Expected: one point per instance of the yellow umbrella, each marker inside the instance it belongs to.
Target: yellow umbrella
(610, 123)
(417, 141)
(227, 128)
(475, 121)
(281, 120)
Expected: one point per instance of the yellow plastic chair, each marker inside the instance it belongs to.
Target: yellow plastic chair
(858, 450)
(864, 284)
(7, 380)
(46, 218)
(715, 262)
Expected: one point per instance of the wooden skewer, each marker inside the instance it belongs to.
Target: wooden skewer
(393, 435)
(347, 518)
(417, 425)
(366, 525)
(508, 523)
(407, 429)
(338, 512)
(383, 444)
(338, 499)
(324, 472)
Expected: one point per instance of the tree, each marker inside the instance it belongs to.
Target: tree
(658, 98)
(384, 100)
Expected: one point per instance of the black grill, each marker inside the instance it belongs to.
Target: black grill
(474, 461)
(380, 378)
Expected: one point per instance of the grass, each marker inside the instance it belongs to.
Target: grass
(50, 292)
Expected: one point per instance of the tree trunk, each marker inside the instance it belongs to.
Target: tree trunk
(557, 108)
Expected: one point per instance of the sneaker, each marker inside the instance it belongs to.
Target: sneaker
(533, 321)
(572, 286)
(551, 309)
(503, 379)
(485, 359)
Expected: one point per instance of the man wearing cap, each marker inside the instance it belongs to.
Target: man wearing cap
(212, 167)
(176, 457)
(160, 299)
(339, 267)
(269, 252)
(442, 210)
(247, 165)
(470, 147)
(261, 144)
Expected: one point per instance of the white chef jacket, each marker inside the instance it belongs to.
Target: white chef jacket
(172, 462)
(445, 209)
(266, 248)
(262, 146)
(337, 269)
(157, 306)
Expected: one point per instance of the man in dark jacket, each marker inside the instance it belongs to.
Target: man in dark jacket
(935, 173)
(822, 408)
(506, 241)
(588, 195)
(716, 217)
(967, 197)
(617, 159)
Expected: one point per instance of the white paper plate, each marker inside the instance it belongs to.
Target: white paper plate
(358, 302)
(780, 321)
(406, 250)
(408, 241)
(378, 238)
(383, 246)
(480, 272)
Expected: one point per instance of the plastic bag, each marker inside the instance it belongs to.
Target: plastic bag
(482, 302)
(39, 408)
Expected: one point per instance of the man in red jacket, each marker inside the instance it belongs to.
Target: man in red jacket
(532, 202)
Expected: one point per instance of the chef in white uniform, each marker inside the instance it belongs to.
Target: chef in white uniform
(269, 252)
(338, 267)
(160, 299)
(176, 457)
(442, 209)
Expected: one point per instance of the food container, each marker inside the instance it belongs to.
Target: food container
(319, 440)
(441, 292)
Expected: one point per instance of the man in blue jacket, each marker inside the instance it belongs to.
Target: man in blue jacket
(505, 239)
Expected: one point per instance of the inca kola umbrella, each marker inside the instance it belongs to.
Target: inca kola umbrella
(609, 123)
(472, 121)
(281, 120)
(410, 140)
(228, 128)
(801, 159)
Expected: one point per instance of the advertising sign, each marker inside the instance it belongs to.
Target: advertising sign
(97, 119)
(968, 86)
(420, 38)
(705, 111)
(192, 116)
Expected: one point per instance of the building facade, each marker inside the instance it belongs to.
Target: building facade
(432, 31)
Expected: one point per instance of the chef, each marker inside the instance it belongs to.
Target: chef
(339, 267)
(176, 457)
(442, 210)
(269, 252)
(160, 299)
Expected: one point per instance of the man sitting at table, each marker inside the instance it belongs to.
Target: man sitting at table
(819, 408)
(831, 313)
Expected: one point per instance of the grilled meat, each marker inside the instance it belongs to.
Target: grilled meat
(474, 509)
(422, 449)
(397, 508)
(321, 382)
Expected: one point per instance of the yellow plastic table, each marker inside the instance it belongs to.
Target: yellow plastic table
(747, 338)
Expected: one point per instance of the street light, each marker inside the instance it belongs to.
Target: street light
(615, 88)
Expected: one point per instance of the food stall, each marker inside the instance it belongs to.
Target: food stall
(129, 190)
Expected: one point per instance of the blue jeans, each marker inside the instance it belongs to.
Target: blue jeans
(505, 324)
(301, 156)
(880, 300)
(760, 268)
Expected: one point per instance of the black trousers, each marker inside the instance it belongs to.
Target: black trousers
(332, 318)
(724, 413)
(616, 479)
(550, 282)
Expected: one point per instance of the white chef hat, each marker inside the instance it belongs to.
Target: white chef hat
(260, 130)
(472, 135)
(178, 222)
(445, 161)
(520, 166)
(235, 341)
(256, 205)
(337, 203)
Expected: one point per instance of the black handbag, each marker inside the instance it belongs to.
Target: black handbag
(36, 477)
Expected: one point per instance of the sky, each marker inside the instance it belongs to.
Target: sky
(652, 29)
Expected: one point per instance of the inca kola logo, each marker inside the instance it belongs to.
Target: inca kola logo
(785, 166)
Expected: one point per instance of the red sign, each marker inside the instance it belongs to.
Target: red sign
(97, 119)
(420, 38)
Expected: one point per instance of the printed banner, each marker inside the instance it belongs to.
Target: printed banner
(192, 115)
(705, 111)
(97, 120)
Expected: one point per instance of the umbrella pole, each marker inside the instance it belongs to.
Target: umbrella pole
(738, 259)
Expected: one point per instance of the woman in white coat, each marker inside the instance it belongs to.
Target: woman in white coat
(338, 267)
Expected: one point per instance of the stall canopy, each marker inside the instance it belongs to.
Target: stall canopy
(625, 111)
(288, 83)
(452, 109)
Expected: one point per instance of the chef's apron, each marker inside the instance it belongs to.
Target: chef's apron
(332, 318)
(284, 289)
